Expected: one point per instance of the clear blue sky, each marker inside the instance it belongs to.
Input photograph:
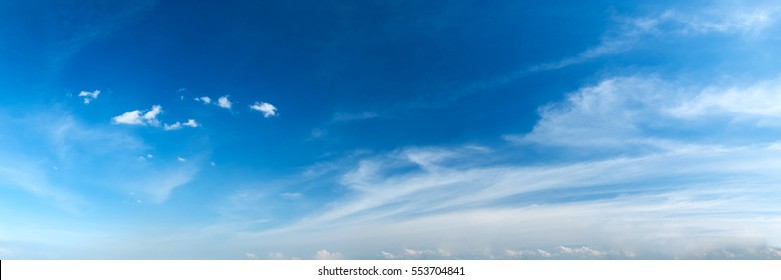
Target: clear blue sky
(390, 129)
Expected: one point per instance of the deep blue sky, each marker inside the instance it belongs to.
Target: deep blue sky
(389, 129)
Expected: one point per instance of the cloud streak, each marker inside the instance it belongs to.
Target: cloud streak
(634, 186)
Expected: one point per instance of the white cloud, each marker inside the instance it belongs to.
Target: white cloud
(138, 117)
(605, 114)
(643, 112)
(191, 123)
(760, 100)
(741, 21)
(158, 184)
(224, 102)
(632, 185)
(326, 255)
(565, 252)
(181, 159)
(151, 116)
(110, 156)
(267, 109)
(89, 96)
(533, 254)
(425, 253)
(174, 126)
(204, 99)
(178, 125)
(131, 118)
(387, 255)
(251, 256)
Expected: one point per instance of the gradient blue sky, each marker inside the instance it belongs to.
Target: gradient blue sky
(390, 129)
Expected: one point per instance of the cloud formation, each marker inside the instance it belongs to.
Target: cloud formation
(224, 102)
(138, 117)
(177, 125)
(130, 118)
(740, 21)
(267, 109)
(632, 185)
(204, 99)
(89, 96)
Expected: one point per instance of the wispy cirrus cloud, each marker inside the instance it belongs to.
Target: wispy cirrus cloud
(634, 31)
(71, 157)
(634, 187)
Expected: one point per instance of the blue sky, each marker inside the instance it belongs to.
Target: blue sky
(390, 130)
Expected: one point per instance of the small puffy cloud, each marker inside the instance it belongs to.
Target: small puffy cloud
(130, 118)
(268, 109)
(191, 123)
(204, 99)
(326, 255)
(181, 159)
(251, 256)
(89, 96)
(224, 102)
